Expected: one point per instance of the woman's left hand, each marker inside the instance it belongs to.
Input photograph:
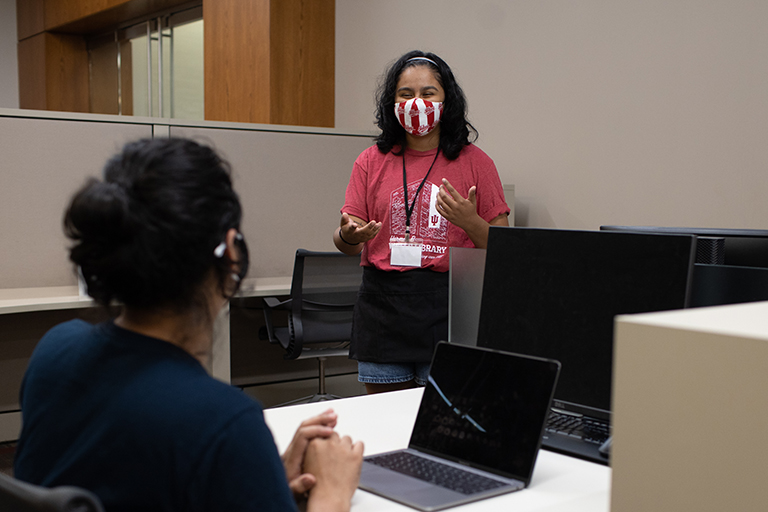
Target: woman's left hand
(458, 210)
(293, 458)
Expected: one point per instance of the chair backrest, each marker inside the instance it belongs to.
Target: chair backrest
(18, 496)
(323, 292)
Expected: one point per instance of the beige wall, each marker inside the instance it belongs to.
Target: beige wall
(599, 111)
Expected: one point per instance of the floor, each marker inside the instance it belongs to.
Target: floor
(272, 395)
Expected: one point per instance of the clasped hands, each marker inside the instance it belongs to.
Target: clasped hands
(319, 459)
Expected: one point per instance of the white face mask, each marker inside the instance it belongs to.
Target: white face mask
(418, 116)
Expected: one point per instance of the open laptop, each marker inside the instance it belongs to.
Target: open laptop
(480, 421)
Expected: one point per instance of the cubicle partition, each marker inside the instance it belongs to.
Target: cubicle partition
(42, 162)
(291, 185)
(291, 181)
(690, 411)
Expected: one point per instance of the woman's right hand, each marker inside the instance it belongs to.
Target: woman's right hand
(335, 462)
(353, 232)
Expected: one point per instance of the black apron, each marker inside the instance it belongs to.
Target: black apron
(399, 316)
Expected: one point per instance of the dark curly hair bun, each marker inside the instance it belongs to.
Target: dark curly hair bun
(145, 235)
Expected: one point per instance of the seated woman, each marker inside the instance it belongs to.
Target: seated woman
(126, 408)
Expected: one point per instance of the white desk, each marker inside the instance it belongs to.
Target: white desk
(21, 300)
(265, 286)
(384, 422)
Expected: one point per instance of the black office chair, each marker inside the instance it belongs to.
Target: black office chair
(18, 496)
(323, 293)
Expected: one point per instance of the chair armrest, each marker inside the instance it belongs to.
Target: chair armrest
(322, 306)
(271, 303)
(18, 495)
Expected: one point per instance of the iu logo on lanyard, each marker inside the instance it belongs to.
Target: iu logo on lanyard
(408, 253)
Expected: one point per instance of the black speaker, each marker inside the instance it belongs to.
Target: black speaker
(710, 250)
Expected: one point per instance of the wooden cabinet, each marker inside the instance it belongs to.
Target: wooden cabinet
(266, 61)
(270, 61)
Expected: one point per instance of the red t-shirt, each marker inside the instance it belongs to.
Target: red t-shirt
(375, 192)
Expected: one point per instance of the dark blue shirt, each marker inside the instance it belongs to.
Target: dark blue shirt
(139, 422)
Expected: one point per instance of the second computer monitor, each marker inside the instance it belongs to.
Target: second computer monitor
(719, 246)
(554, 293)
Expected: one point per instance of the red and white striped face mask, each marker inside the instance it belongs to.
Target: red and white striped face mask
(418, 116)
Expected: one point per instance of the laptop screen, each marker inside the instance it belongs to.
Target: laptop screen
(485, 408)
(554, 293)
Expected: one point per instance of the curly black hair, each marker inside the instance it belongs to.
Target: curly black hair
(455, 130)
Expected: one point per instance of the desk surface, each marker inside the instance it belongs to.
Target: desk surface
(384, 422)
(21, 300)
(265, 286)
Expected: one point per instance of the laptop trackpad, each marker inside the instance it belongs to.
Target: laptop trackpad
(377, 479)
(406, 490)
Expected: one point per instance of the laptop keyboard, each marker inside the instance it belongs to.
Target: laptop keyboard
(579, 427)
(446, 476)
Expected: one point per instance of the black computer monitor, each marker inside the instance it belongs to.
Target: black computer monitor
(716, 285)
(554, 293)
(736, 247)
(731, 264)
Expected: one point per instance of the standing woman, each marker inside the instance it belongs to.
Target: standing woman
(423, 188)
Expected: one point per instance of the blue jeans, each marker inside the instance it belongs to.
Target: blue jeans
(392, 373)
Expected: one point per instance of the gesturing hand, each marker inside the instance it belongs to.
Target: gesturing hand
(320, 426)
(456, 209)
(356, 231)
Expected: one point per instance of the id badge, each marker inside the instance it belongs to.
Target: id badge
(405, 254)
